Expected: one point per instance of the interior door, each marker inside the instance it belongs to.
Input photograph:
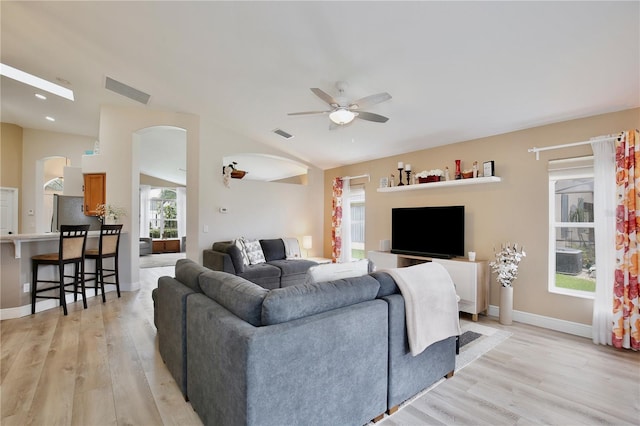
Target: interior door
(8, 211)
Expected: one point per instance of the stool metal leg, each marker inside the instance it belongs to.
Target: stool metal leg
(63, 299)
(34, 280)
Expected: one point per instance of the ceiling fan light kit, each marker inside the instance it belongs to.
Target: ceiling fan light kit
(342, 116)
(343, 112)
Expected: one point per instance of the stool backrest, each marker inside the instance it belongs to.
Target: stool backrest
(109, 239)
(73, 240)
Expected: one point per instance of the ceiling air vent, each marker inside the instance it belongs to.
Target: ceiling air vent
(282, 133)
(128, 91)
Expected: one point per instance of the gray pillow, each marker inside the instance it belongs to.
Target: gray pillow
(239, 296)
(298, 301)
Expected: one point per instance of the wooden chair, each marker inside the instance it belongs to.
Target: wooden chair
(107, 248)
(73, 240)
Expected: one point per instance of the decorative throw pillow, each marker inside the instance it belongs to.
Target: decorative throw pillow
(254, 251)
(243, 251)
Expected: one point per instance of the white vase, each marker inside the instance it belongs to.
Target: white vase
(109, 220)
(506, 305)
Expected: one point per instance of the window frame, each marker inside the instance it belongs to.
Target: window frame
(161, 218)
(566, 169)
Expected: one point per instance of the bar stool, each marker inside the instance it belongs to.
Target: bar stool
(107, 247)
(73, 240)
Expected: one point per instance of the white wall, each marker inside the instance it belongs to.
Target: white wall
(256, 209)
(38, 145)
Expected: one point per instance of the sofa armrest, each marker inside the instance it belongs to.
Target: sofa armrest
(172, 322)
(330, 366)
(409, 375)
(218, 261)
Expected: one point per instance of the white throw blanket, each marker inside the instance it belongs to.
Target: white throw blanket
(431, 304)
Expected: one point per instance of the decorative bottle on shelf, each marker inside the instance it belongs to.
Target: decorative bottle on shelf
(446, 173)
(475, 169)
(458, 172)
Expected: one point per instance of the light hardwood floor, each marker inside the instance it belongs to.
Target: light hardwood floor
(101, 366)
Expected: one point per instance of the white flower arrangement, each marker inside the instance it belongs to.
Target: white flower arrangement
(433, 172)
(107, 211)
(506, 263)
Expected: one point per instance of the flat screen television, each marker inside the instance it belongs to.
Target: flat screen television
(428, 231)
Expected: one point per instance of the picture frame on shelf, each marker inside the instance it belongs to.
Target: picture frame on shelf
(488, 168)
(384, 182)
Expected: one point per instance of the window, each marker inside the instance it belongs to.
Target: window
(357, 222)
(572, 232)
(163, 213)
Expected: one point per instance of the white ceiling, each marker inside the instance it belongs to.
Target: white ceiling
(456, 70)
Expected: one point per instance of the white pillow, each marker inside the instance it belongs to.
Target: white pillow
(254, 251)
(243, 251)
(337, 271)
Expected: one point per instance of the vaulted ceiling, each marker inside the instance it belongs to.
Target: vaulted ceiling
(455, 70)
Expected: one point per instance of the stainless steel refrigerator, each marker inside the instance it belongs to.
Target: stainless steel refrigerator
(68, 210)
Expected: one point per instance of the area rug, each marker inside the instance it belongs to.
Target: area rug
(486, 339)
(159, 260)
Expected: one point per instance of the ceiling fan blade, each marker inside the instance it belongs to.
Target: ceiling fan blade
(370, 100)
(369, 116)
(325, 96)
(308, 112)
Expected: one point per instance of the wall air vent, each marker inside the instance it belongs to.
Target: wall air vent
(128, 91)
(282, 133)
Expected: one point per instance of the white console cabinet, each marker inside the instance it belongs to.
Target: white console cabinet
(470, 278)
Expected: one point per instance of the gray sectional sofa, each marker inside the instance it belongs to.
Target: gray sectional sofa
(276, 272)
(323, 353)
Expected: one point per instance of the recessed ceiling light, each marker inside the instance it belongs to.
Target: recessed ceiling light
(50, 118)
(34, 81)
(40, 96)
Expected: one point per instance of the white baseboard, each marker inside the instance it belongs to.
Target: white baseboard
(43, 305)
(568, 327)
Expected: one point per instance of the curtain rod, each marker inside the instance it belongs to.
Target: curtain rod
(567, 145)
(357, 177)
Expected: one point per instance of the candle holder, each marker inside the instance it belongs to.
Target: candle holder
(400, 169)
(408, 172)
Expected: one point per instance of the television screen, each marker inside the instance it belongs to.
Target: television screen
(428, 231)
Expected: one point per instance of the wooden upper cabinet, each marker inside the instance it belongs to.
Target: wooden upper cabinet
(95, 192)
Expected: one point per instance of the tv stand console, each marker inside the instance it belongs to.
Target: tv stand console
(470, 278)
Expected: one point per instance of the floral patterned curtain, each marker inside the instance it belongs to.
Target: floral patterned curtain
(336, 220)
(626, 316)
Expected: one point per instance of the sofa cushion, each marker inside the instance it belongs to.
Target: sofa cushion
(188, 272)
(387, 285)
(239, 296)
(261, 270)
(298, 301)
(292, 267)
(254, 251)
(273, 249)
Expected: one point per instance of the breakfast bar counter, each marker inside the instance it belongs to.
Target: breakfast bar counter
(15, 274)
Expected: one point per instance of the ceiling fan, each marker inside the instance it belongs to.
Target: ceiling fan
(343, 112)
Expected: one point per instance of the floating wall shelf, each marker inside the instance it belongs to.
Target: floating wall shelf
(442, 184)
